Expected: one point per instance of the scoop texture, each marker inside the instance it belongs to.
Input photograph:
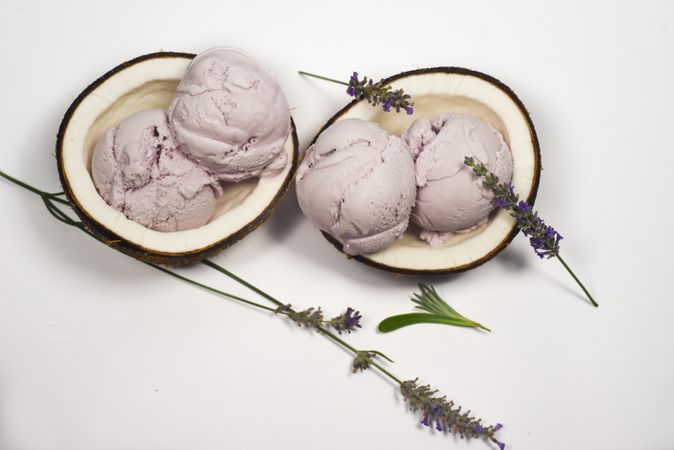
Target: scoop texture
(356, 183)
(231, 115)
(138, 169)
(450, 199)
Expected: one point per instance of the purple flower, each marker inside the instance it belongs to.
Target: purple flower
(347, 321)
(444, 414)
(501, 445)
(498, 426)
(543, 238)
(523, 206)
(378, 93)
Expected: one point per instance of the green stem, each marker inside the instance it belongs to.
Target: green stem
(339, 341)
(582, 286)
(211, 289)
(321, 329)
(32, 189)
(57, 213)
(301, 72)
(241, 281)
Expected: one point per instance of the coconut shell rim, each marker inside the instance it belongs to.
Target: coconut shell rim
(137, 251)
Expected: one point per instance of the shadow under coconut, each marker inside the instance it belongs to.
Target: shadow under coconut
(286, 218)
(513, 259)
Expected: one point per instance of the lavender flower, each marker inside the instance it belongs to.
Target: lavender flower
(543, 238)
(348, 321)
(362, 361)
(439, 412)
(379, 93)
(309, 318)
(312, 318)
(374, 93)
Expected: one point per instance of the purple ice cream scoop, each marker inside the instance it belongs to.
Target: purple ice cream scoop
(356, 183)
(231, 115)
(450, 199)
(138, 170)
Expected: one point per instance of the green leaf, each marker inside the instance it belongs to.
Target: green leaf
(403, 320)
(436, 311)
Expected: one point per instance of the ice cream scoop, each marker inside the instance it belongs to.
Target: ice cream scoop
(450, 199)
(356, 183)
(231, 115)
(138, 170)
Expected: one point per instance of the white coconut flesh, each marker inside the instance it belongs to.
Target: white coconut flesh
(152, 84)
(433, 94)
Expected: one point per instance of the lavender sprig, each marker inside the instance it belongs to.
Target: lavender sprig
(375, 93)
(312, 318)
(543, 238)
(418, 397)
(439, 412)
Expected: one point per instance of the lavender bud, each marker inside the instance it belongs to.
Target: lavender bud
(347, 321)
(362, 361)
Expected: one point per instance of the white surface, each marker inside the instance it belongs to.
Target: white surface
(99, 351)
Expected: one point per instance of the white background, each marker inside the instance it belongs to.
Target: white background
(98, 351)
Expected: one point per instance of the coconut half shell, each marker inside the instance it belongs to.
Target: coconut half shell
(145, 82)
(455, 89)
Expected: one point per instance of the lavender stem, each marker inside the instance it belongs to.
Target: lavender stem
(582, 286)
(322, 78)
(43, 194)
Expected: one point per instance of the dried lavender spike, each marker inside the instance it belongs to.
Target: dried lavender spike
(375, 93)
(348, 321)
(543, 238)
(379, 93)
(441, 413)
(309, 318)
(362, 361)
